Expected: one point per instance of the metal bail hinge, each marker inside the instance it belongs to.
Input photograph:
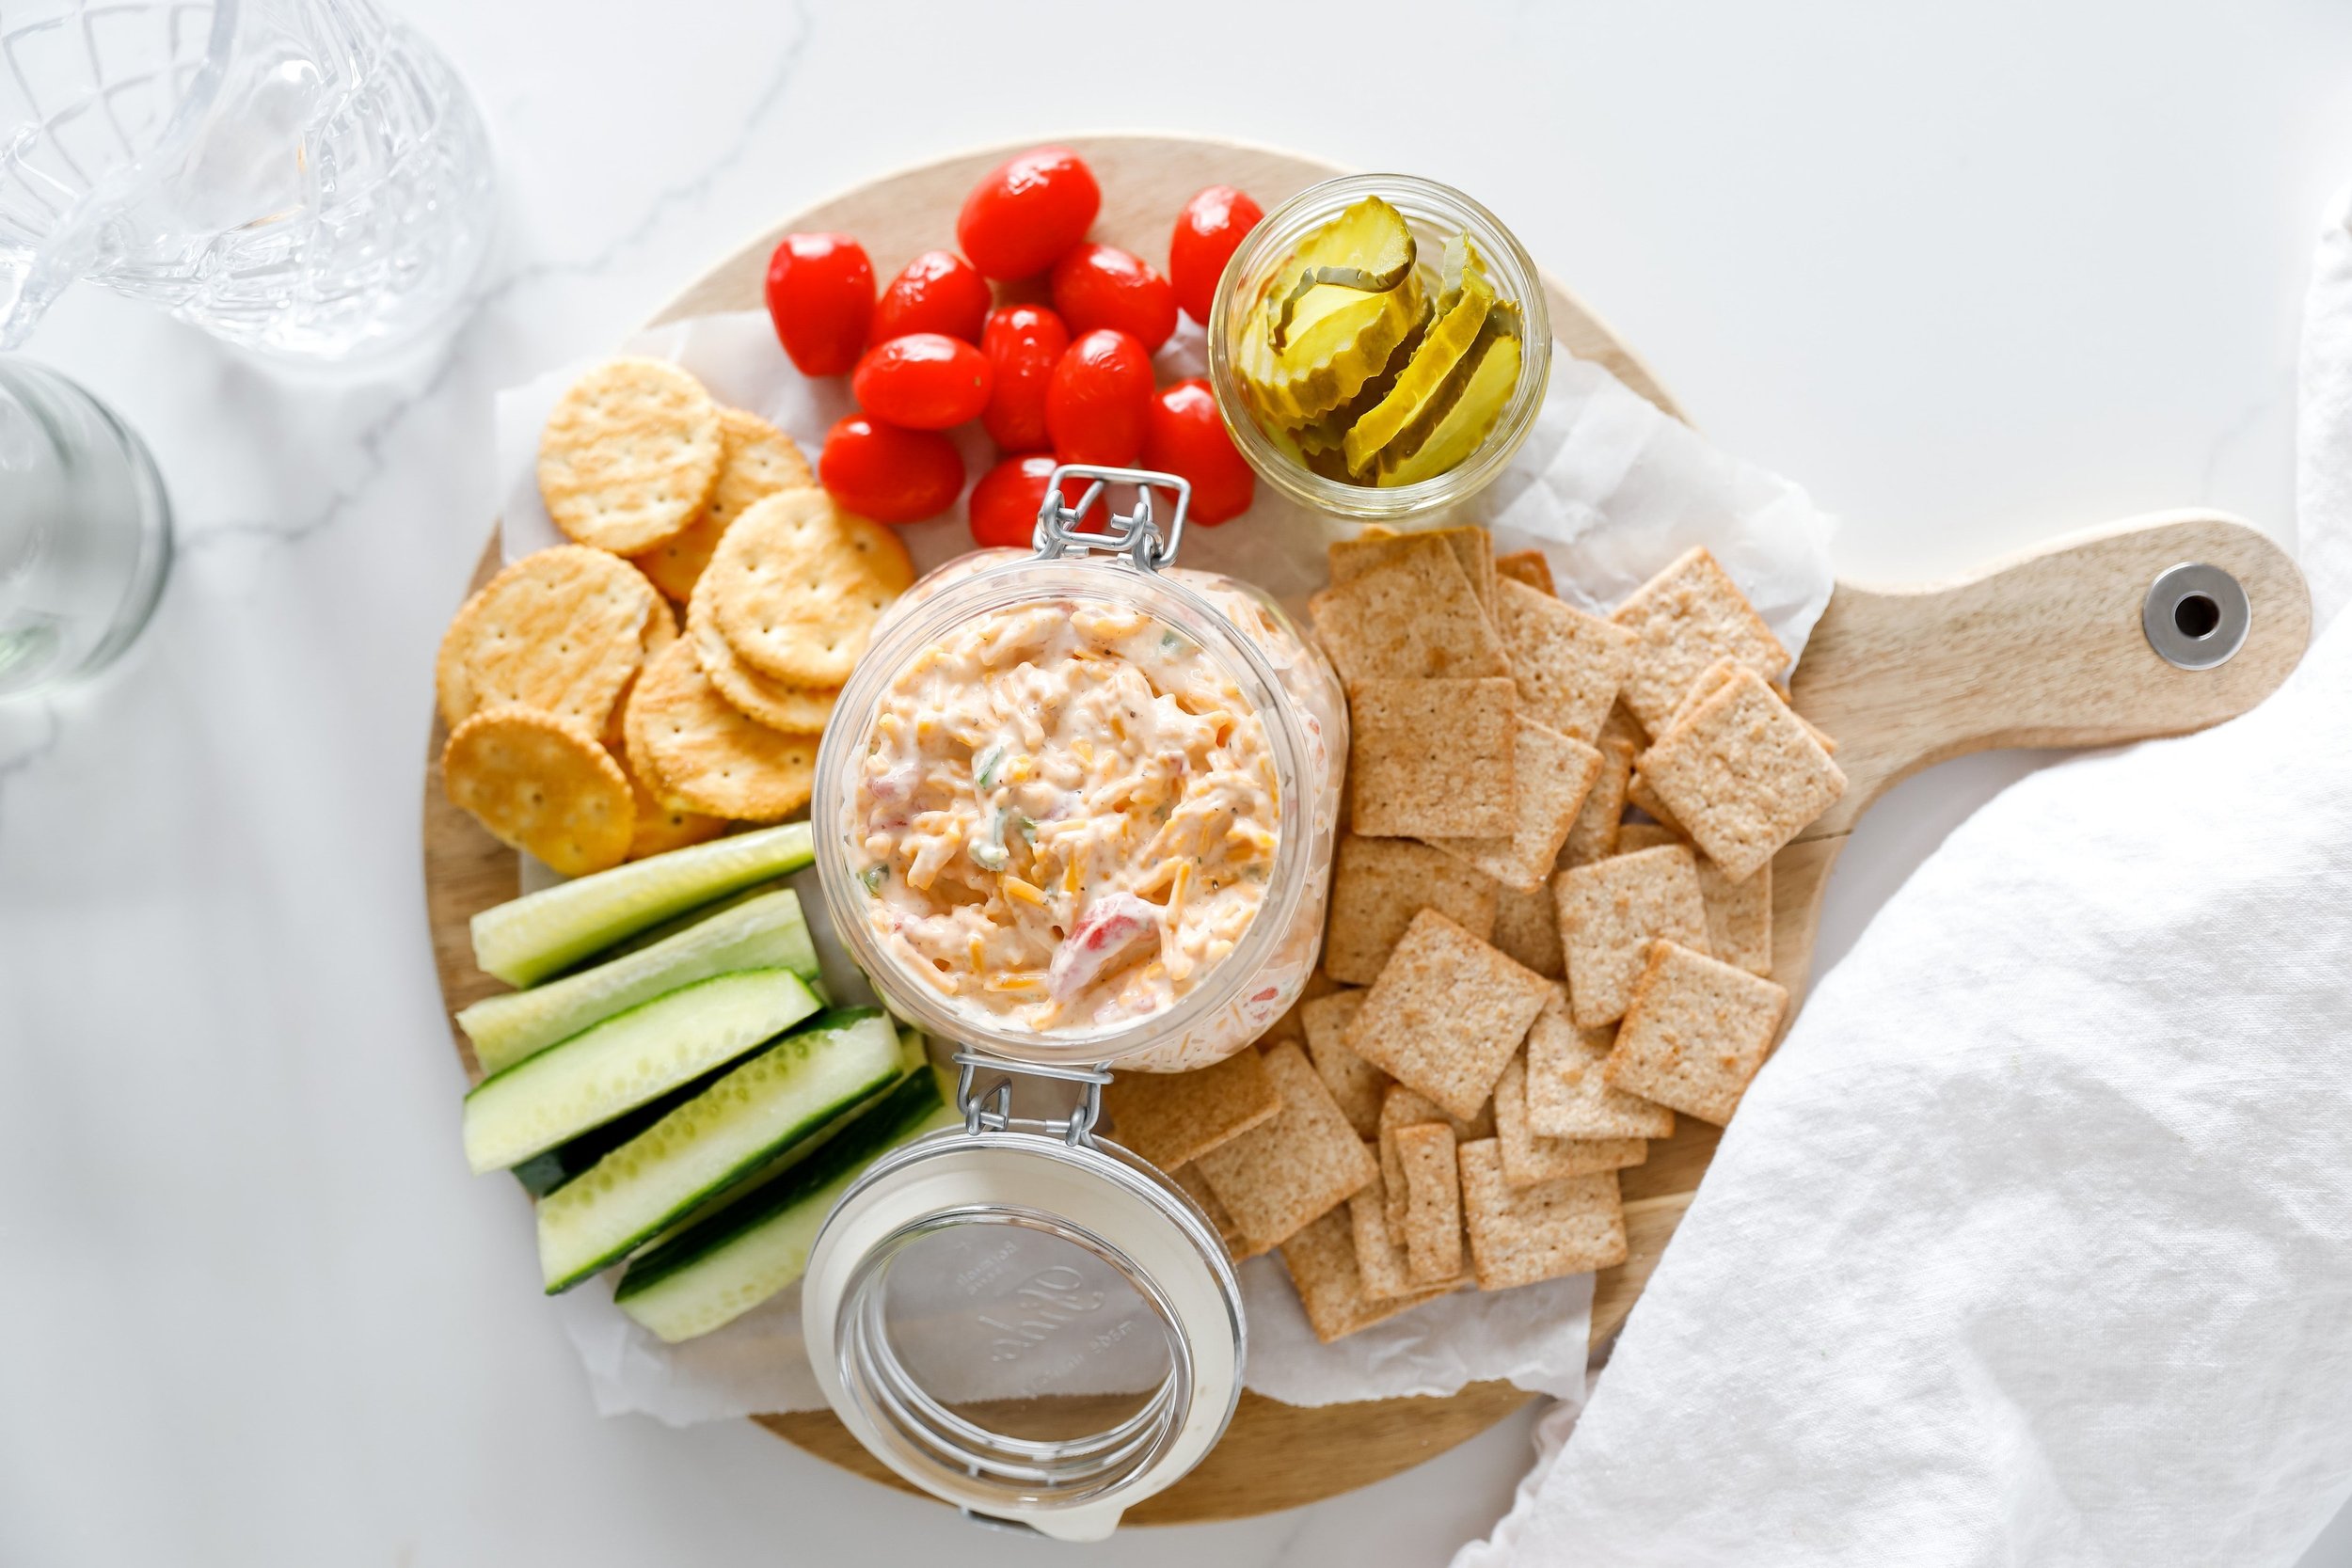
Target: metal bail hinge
(1134, 535)
(984, 1095)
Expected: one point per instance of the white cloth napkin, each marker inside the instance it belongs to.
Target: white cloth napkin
(2033, 1243)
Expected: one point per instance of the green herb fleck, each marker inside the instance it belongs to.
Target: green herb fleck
(984, 771)
(872, 877)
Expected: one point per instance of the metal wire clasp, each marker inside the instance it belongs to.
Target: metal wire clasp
(1134, 535)
(984, 1095)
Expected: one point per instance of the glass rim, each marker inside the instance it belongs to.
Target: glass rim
(999, 587)
(1525, 286)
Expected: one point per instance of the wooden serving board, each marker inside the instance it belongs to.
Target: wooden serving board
(2043, 650)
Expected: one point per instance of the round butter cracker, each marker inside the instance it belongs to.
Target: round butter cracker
(560, 631)
(797, 585)
(696, 752)
(540, 784)
(756, 459)
(630, 455)
(778, 704)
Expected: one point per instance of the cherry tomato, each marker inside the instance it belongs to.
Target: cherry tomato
(1208, 231)
(1101, 285)
(1019, 220)
(821, 295)
(937, 292)
(1022, 342)
(1098, 399)
(923, 381)
(891, 475)
(1005, 501)
(1185, 435)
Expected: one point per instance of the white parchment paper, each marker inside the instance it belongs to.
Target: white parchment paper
(1607, 486)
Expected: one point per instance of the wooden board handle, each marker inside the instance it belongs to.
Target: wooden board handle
(2045, 649)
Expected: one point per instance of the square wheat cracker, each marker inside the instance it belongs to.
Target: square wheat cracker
(1593, 833)
(1473, 549)
(1568, 1096)
(1282, 1175)
(1521, 1235)
(1356, 1086)
(1741, 775)
(1683, 620)
(1528, 566)
(1171, 1118)
(1639, 795)
(1696, 1033)
(1634, 838)
(1433, 1203)
(1551, 776)
(1739, 916)
(1569, 665)
(1611, 912)
(1446, 1014)
(1236, 1245)
(1379, 884)
(1528, 1159)
(1433, 758)
(1711, 680)
(1404, 1108)
(1380, 1254)
(1527, 930)
(1413, 615)
(1322, 1264)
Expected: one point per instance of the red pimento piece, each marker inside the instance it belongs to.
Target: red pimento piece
(1023, 343)
(923, 381)
(821, 295)
(937, 292)
(1027, 210)
(1113, 927)
(1099, 400)
(1185, 436)
(1208, 231)
(1103, 286)
(890, 475)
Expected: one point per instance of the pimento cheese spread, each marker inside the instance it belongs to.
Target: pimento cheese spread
(1066, 816)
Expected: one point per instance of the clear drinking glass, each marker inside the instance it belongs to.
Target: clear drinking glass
(85, 532)
(305, 178)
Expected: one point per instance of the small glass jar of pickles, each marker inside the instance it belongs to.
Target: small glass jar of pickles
(1380, 347)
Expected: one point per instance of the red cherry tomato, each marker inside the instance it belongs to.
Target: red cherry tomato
(1098, 399)
(821, 295)
(1101, 285)
(891, 475)
(1019, 220)
(937, 292)
(1022, 342)
(1208, 231)
(1185, 435)
(923, 381)
(1005, 501)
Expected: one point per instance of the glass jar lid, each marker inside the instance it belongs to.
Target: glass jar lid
(1036, 1327)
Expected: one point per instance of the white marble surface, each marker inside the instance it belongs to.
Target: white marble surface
(1975, 279)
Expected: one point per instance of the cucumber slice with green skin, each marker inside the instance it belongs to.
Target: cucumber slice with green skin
(630, 1059)
(544, 1173)
(711, 1274)
(668, 929)
(525, 939)
(781, 1096)
(766, 932)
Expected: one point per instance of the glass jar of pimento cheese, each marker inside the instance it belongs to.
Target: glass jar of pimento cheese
(1076, 811)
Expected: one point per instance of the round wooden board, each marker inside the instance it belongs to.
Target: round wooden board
(1274, 1456)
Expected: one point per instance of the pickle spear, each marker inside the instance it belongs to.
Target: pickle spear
(1463, 305)
(1367, 248)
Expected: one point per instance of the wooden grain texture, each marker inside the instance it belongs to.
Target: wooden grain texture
(2043, 650)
